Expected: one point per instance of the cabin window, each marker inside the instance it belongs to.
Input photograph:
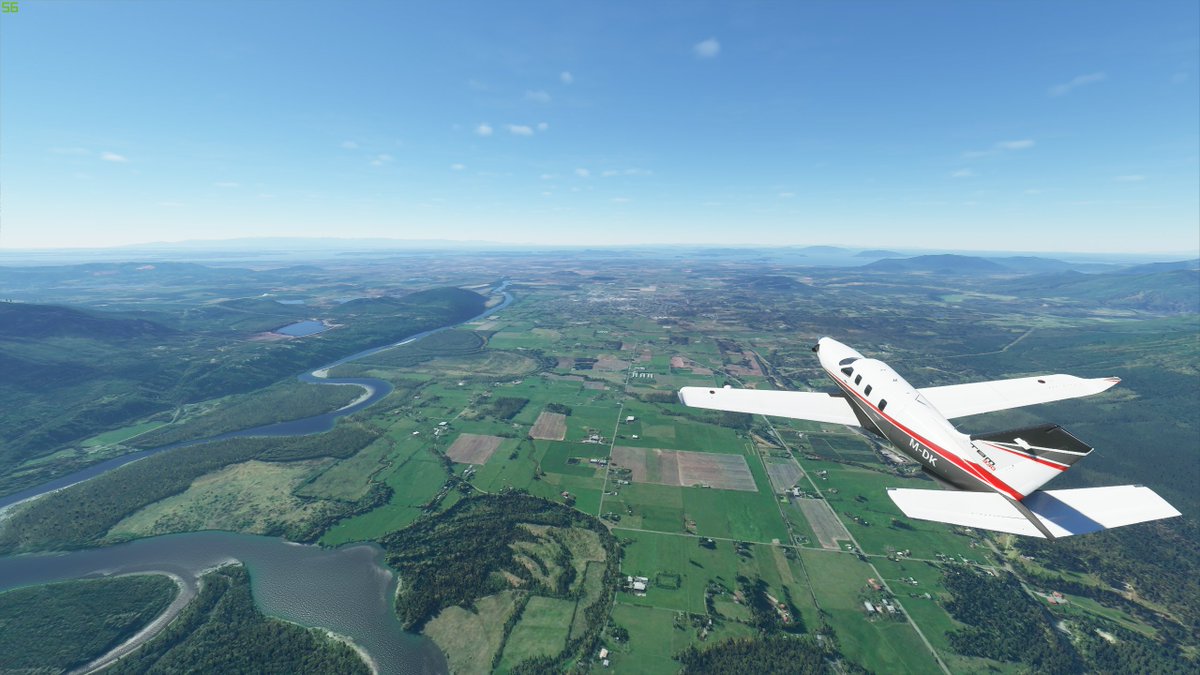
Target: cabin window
(858, 380)
(867, 391)
(847, 361)
(848, 371)
(882, 404)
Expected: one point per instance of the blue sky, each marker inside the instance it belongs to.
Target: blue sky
(1035, 126)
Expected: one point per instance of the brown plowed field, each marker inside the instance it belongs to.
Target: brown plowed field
(549, 427)
(685, 468)
(473, 448)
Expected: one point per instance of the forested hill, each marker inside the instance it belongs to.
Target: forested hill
(33, 322)
(70, 374)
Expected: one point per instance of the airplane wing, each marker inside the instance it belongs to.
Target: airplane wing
(800, 405)
(1060, 513)
(960, 400)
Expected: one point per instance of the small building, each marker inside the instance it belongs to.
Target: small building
(795, 492)
(639, 586)
(869, 606)
(603, 653)
(631, 418)
(443, 424)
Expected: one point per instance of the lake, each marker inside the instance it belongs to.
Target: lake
(302, 328)
(346, 590)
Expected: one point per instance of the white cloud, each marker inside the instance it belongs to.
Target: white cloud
(786, 195)
(1132, 178)
(457, 167)
(547, 176)
(519, 129)
(1034, 191)
(620, 200)
(1180, 78)
(543, 126)
(349, 145)
(707, 49)
(1080, 81)
(566, 77)
(962, 173)
(538, 96)
(227, 184)
(113, 157)
(484, 129)
(582, 173)
(381, 159)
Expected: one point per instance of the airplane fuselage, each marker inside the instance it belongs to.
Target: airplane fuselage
(885, 401)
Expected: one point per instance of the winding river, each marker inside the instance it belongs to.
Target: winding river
(346, 590)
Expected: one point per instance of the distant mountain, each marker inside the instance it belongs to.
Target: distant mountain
(1153, 268)
(27, 321)
(1172, 292)
(1027, 264)
(125, 273)
(938, 264)
(878, 253)
(825, 250)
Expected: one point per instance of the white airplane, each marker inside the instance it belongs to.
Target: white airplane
(998, 475)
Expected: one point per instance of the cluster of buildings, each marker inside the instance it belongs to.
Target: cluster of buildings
(637, 585)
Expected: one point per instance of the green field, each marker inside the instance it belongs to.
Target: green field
(542, 631)
(881, 644)
(121, 435)
(470, 639)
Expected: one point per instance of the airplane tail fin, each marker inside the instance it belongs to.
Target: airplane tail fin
(1028, 458)
(1048, 514)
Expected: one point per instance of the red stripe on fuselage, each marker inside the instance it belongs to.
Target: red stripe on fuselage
(987, 479)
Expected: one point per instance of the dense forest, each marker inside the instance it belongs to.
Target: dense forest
(1160, 560)
(83, 513)
(773, 655)
(1004, 623)
(223, 631)
(61, 626)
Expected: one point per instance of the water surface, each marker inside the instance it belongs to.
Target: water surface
(346, 590)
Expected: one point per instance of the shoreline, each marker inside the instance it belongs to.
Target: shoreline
(187, 593)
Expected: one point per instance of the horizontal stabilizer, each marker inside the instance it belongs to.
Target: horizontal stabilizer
(1060, 513)
(1047, 442)
(960, 400)
(801, 405)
